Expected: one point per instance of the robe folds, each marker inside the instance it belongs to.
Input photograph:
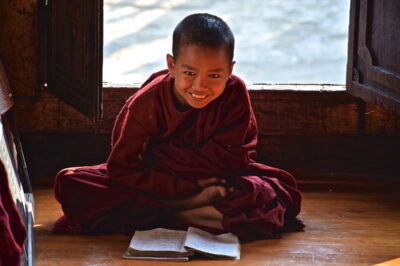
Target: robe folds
(12, 226)
(160, 151)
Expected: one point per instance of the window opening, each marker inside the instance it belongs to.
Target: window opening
(276, 41)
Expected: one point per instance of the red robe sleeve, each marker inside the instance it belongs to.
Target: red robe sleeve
(126, 167)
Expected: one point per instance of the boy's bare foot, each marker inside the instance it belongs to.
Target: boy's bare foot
(204, 216)
(207, 196)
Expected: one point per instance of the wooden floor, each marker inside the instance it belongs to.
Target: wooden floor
(342, 228)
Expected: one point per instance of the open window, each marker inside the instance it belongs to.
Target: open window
(74, 52)
(373, 69)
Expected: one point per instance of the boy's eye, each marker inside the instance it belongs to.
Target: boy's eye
(189, 73)
(214, 76)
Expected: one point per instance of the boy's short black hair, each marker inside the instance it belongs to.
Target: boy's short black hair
(204, 30)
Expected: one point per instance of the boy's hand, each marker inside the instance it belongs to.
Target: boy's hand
(211, 194)
(203, 183)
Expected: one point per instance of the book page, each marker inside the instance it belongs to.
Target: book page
(226, 245)
(159, 239)
(126, 255)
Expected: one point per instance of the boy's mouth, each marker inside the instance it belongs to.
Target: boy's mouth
(198, 96)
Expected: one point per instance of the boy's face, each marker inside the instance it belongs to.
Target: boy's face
(200, 74)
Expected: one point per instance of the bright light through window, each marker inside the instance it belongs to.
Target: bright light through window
(277, 41)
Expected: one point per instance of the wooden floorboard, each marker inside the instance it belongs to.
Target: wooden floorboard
(342, 228)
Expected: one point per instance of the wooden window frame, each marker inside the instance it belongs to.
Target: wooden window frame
(365, 79)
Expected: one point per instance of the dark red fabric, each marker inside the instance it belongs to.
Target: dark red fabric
(12, 228)
(181, 148)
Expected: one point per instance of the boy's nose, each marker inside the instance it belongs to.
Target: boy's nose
(199, 83)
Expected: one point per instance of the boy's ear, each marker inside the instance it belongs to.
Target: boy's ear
(231, 67)
(170, 63)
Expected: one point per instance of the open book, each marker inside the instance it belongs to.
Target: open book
(176, 245)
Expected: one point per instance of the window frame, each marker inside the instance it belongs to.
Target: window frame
(365, 77)
(85, 94)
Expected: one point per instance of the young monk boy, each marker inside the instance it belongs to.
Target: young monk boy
(183, 152)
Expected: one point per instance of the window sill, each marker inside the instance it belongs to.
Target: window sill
(255, 87)
(297, 87)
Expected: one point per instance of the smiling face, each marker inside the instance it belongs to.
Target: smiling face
(200, 74)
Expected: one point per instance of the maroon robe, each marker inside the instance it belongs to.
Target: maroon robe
(159, 150)
(12, 227)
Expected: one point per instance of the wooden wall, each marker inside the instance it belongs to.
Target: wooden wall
(325, 134)
(318, 134)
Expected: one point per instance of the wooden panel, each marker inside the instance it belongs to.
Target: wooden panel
(75, 54)
(18, 45)
(49, 114)
(305, 112)
(330, 158)
(373, 70)
(58, 151)
(378, 121)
